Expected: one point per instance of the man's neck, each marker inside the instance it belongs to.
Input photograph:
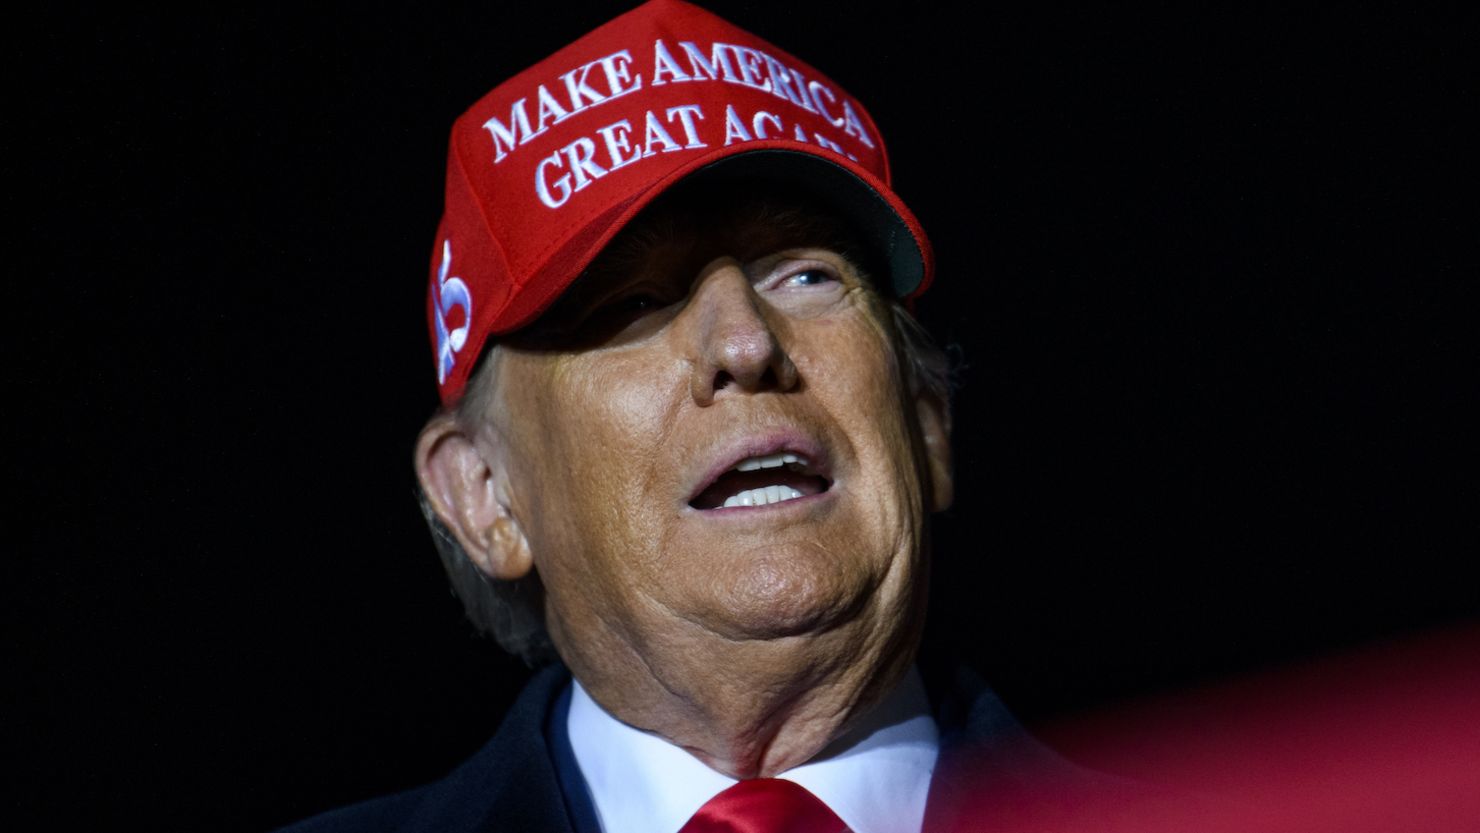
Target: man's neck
(747, 708)
(876, 776)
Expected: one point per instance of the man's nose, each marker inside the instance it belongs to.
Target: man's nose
(734, 339)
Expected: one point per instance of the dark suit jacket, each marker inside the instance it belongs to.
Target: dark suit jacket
(526, 779)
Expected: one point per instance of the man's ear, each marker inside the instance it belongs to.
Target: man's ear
(934, 416)
(468, 493)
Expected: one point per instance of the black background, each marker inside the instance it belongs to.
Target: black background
(1211, 276)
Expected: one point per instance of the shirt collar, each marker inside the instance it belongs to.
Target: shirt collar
(876, 777)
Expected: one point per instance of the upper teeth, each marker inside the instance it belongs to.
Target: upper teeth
(769, 462)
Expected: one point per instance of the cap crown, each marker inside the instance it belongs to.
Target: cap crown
(547, 167)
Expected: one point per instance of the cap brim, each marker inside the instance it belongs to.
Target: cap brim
(890, 231)
(887, 225)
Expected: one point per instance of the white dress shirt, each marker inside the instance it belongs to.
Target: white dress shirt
(876, 777)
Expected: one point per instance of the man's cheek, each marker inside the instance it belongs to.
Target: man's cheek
(867, 370)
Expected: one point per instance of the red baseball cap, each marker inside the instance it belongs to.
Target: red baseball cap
(545, 169)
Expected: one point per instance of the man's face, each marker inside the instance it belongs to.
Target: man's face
(710, 438)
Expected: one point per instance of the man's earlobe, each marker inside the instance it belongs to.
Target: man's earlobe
(467, 492)
(935, 433)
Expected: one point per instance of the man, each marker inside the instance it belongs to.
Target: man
(690, 443)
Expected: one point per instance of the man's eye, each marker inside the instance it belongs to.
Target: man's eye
(815, 276)
(616, 313)
(634, 304)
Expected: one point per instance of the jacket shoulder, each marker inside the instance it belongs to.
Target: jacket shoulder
(508, 785)
(386, 813)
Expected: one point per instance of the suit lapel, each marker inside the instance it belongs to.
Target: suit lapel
(511, 785)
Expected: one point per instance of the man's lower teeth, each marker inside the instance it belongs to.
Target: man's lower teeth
(763, 496)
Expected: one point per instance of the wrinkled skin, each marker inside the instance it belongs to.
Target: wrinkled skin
(751, 636)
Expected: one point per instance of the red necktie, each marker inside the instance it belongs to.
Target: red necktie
(765, 805)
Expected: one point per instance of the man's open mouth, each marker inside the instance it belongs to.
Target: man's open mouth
(760, 481)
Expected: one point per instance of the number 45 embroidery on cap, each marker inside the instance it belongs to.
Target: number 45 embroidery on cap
(449, 293)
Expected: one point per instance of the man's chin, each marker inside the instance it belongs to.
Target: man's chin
(783, 598)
